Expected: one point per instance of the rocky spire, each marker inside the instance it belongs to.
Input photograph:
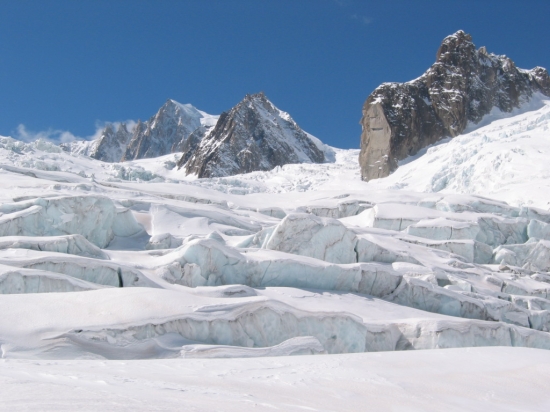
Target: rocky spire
(462, 86)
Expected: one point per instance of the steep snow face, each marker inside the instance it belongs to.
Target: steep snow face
(164, 133)
(506, 159)
(254, 135)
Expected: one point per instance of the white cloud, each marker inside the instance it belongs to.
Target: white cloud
(51, 135)
(64, 136)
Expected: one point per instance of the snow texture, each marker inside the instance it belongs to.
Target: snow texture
(100, 264)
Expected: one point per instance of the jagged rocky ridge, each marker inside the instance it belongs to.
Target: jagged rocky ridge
(462, 86)
(164, 133)
(254, 135)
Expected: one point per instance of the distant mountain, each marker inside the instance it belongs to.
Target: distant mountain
(111, 145)
(164, 133)
(254, 135)
(461, 87)
(81, 147)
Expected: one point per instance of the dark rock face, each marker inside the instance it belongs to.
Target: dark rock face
(112, 144)
(462, 86)
(164, 133)
(189, 148)
(254, 135)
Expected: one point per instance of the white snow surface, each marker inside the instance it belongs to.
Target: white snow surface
(119, 282)
(506, 159)
(473, 379)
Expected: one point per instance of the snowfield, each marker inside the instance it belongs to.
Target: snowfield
(125, 285)
(473, 379)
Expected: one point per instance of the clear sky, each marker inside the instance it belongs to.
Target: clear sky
(72, 65)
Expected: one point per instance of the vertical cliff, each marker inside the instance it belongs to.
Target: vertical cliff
(461, 87)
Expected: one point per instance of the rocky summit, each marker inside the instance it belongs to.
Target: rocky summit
(253, 136)
(461, 87)
(166, 132)
(111, 145)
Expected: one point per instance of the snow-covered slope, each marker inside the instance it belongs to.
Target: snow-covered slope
(507, 159)
(135, 260)
(473, 379)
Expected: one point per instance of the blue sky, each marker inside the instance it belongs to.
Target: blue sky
(66, 67)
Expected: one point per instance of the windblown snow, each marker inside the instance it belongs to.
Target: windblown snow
(131, 261)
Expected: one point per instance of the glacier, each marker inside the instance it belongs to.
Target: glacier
(136, 261)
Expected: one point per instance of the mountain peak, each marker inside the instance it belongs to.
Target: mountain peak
(253, 135)
(461, 87)
(255, 96)
(454, 46)
(163, 133)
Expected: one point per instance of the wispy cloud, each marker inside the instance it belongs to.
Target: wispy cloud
(64, 136)
(51, 135)
(363, 19)
(356, 16)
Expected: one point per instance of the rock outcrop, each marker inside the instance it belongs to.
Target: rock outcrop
(461, 87)
(111, 145)
(254, 135)
(164, 133)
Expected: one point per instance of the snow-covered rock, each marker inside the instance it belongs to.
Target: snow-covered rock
(253, 135)
(461, 87)
(166, 132)
(111, 145)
